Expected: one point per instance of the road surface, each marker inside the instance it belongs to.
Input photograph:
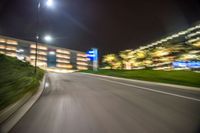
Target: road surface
(80, 103)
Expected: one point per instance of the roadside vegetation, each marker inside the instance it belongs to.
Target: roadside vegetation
(16, 79)
(187, 78)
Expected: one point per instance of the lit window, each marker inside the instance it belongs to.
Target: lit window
(82, 63)
(194, 40)
(64, 65)
(2, 46)
(62, 51)
(11, 48)
(82, 59)
(81, 55)
(62, 56)
(2, 40)
(33, 46)
(12, 42)
(38, 52)
(39, 47)
(62, 61)
(197, 44)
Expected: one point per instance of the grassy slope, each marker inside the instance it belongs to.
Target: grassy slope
(16, 79)
(187, 78)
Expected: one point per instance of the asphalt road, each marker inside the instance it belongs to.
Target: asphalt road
(79, 103)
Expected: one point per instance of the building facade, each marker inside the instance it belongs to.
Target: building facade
(178, 51)
(49, 57)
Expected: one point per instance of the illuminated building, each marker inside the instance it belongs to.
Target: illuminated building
(49, 57)
(178, 51)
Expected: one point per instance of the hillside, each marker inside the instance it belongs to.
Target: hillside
(16, 79)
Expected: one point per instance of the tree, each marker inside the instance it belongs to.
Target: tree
(113, 61)
(127, 56)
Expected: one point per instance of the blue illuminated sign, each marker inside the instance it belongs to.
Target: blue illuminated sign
(194, 64)
(90, 52)
(92, 55)
(186, 64)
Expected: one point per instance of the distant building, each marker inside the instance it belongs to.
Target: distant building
(49, 57)
(178, 51)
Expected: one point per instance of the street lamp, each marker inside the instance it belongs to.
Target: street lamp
(48, 38)
(49, 3)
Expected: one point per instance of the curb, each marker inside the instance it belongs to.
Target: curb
(20, 108)
(148, 82)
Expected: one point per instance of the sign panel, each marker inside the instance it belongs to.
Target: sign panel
(93, 56)
(186, 64)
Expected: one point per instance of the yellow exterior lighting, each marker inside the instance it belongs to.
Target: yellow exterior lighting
(2, 47)
(82, 59)
(62, 51)
(11, 54)
(12, 42)
(81, 55)
(62, 61)
(11, 48)
(62, 56)
(161, 52)
(2, 40)
(147, 62)
(82, 63)
(64, 65)
(197, 44)
(141, 54)
(39, 52)
(188, 57)
(39, 47)
(82, 68)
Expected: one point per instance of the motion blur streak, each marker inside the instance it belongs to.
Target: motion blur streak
(78, 103)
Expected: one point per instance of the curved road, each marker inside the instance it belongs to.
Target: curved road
(80, 103)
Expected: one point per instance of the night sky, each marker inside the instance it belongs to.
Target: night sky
(109, 25)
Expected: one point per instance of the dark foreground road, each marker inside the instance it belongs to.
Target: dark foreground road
(78, 103)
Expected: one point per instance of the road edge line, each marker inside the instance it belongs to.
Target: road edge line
(152, 90)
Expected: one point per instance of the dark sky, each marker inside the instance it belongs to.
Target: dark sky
(109, 25)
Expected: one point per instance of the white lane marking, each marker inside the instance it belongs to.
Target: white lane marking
(149, 89)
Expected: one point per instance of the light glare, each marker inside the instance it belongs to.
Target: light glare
(49, 3)
(48, 38)
(52, 53)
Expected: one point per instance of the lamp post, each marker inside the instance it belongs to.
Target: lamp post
(49, 3)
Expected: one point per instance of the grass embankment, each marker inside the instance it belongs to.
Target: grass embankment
(187, 78)
(16, 79)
